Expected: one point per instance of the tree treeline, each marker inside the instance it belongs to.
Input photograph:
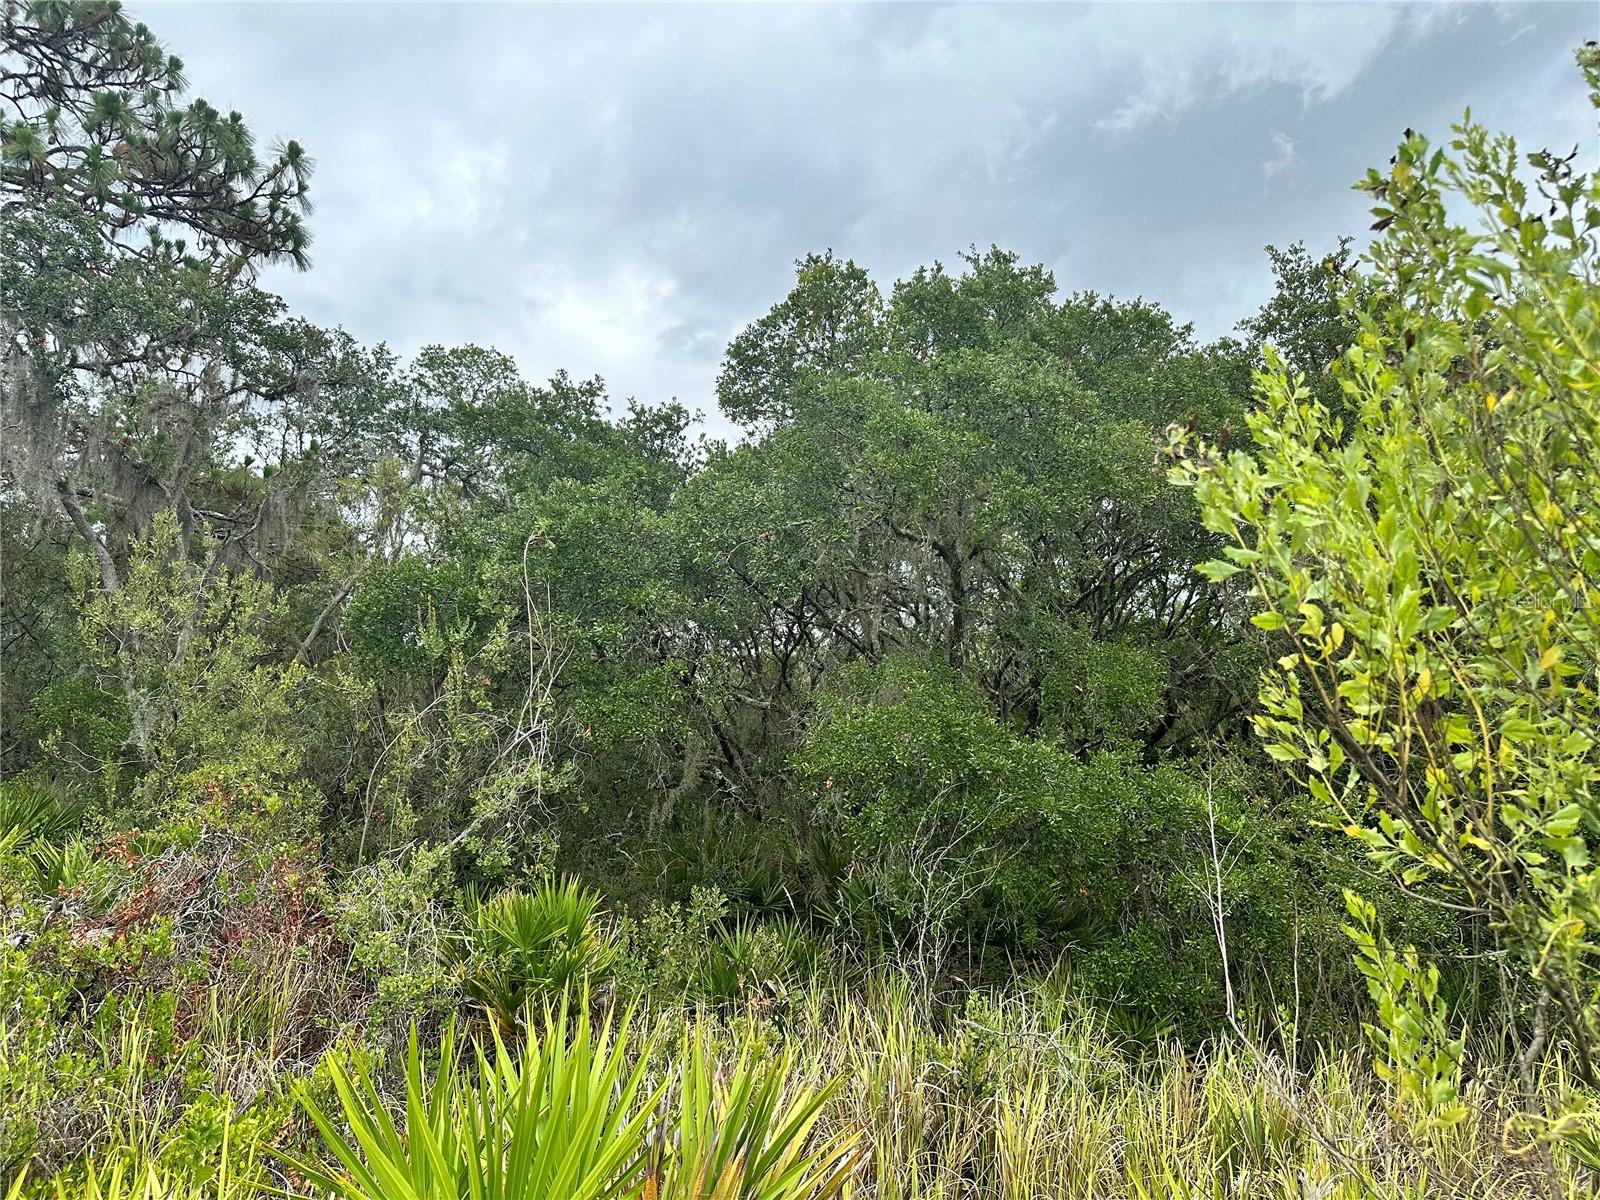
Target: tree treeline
(921, 660)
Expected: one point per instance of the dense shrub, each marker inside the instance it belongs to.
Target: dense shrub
(535, 947)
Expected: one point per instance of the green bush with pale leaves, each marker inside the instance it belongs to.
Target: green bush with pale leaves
(1432, 572)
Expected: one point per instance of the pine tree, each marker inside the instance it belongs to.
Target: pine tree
(92, 113)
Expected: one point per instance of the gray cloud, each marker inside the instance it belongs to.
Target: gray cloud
(619, 189)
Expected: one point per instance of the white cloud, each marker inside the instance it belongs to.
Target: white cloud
(1188, 55)
(1284, 153)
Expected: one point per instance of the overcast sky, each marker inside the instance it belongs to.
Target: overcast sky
(617, 190)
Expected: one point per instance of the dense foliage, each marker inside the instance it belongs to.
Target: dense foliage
(1433, 572)
(379, 732)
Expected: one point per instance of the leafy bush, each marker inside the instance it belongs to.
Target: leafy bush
(568, 1118)
(565, 1121)
(530, 946)
(950, 817)
(83, 729)
(190, 653)
(754, 959)
(33, 812)
(403, 616)
(1430, 571)
(400, 921)
(1416, 1053)
(662, 950)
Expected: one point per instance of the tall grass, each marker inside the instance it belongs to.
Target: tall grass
(874, 1092)
(1017, 1097)
(745, 1134)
